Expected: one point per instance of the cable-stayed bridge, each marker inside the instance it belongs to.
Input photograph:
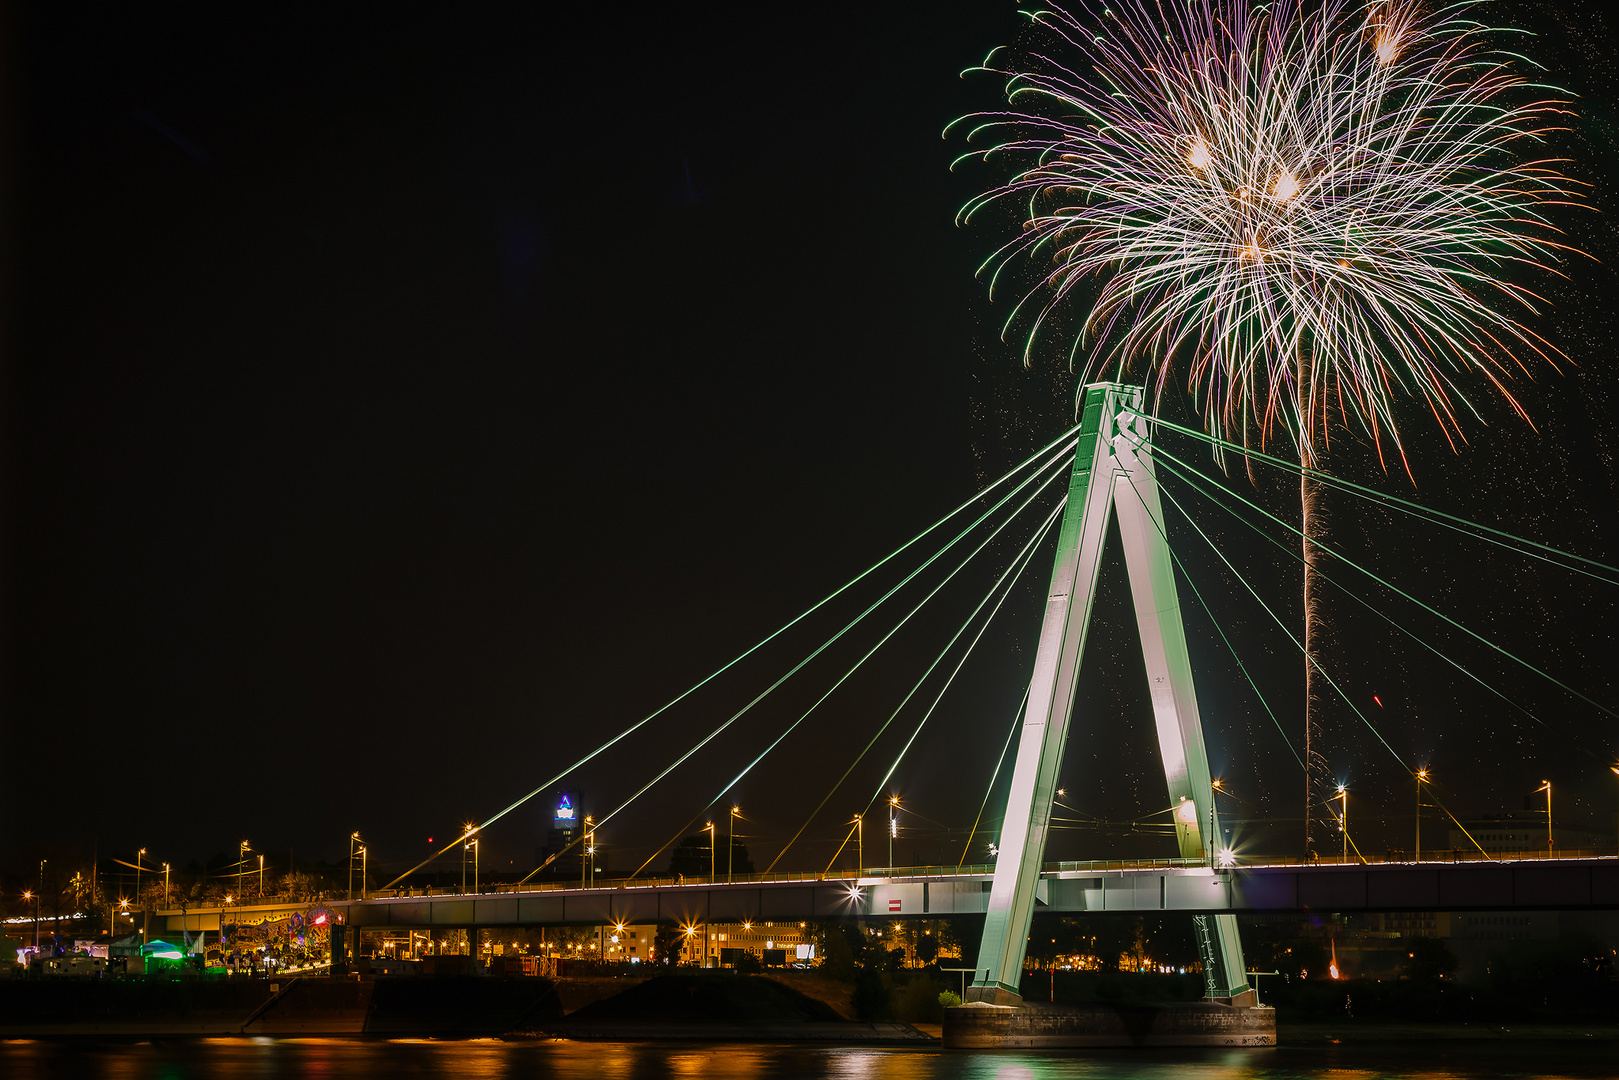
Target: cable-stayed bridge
(1112, 467)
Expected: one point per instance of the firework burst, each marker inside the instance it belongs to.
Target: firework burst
(1313, 208)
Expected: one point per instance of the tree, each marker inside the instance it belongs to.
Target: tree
(692, 858)
(667, 943)
(927, 949)
(842, 949)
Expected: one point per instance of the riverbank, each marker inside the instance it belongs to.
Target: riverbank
(1386, 1031)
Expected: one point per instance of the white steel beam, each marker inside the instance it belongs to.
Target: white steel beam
(1112, 468)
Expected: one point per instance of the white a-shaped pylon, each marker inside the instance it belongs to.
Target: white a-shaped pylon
(1113, 471)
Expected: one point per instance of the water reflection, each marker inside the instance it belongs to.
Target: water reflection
(342, 1059)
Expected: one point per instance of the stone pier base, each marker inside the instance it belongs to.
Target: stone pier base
(1212, 1022)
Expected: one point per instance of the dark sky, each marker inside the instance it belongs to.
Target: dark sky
(399, 402)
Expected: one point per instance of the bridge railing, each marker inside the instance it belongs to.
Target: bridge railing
(678, 881)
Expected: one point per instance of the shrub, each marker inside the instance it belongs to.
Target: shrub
(948, 999)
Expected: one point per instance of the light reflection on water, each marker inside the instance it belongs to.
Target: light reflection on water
(340, 1059)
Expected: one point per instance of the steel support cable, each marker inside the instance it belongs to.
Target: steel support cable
(1024, 557)
(1397, 590)
(1056, 474)
(1226, 641)
(1015, 470)
(1022, 562)
(1017, 720)
(1499, 537)
(1193, 479)
(1311, 660)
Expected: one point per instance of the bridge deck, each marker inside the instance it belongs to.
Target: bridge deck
(1535, 883)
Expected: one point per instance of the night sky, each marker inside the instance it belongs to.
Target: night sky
(399, 403)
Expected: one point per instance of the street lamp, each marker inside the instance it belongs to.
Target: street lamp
(241, 861)
(860, 841)
(893, 827)
(473, 844)
(1343, 824)
(354, 849)
(261, 877)
(709, 828)
(466, 837)
(730, 841)
(1422, 774)
(37, 893)
(585, 858)
(138, 856)
(1545, 786)
(30, 895)
(165, 884)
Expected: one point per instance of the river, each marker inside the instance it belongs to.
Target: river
(337, 1059)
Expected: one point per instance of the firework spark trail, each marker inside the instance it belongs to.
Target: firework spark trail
(1312, 207)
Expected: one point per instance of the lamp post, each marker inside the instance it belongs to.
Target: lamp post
(365, 853)
(1422, 774)
(473, 844)
(466, 843)
(730, 841)
(354, 849)
(30, 895)
(1343, 824)
(1545, 786)
(138, 856)
(241, 862)
(893, 826)
(165, 884)
(860, 841)
(37, 893)
(709, 828)
(1219, 848)
(584, 858)
(261, 877)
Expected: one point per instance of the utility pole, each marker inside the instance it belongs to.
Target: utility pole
(1422, 774)
(893, 825)
(1343, 824)
(730, 841)
(1546, 786)
(37, 893)
(584, 857)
